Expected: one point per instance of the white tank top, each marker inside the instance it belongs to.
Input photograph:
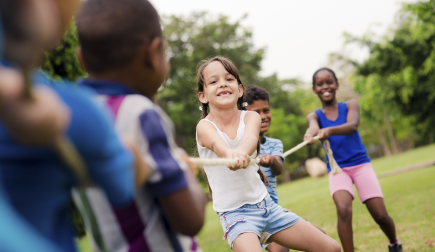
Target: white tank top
(232, 189)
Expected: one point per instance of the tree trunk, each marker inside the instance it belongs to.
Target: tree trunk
(393, 142)
(385, 147)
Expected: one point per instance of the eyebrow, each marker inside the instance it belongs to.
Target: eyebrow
(215, 75)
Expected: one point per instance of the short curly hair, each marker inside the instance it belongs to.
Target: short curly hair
(254, 93)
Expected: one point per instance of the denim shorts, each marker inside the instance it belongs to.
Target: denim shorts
(263, 219)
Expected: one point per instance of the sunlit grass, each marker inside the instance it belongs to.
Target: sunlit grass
(409, 197)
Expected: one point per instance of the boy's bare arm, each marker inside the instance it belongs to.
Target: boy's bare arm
(40, 121)
(274, 162)
(185, 209)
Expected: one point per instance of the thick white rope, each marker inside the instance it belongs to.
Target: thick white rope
(297, 147)
(218, 161)
(200, 162)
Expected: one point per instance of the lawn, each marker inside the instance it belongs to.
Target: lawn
(409, 197)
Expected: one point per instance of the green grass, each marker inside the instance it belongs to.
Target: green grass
(409, 197)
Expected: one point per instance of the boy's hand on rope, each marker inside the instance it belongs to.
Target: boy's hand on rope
(39, 121)
(142, 170)
(185, 157)
(324, 134)
(242, 158)
(266, 160)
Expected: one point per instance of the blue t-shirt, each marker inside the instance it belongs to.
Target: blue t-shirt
(18, 236)
(273, 147)
(37, 181)
(348, 150)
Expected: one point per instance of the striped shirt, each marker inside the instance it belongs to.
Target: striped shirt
(273, 147)
(141, 225)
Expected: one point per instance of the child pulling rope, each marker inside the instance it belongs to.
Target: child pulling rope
(225, 161)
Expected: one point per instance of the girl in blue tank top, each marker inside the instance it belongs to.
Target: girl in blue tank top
(338, 123)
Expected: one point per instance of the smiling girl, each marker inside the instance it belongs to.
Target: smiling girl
(247, 213)
(338, 122)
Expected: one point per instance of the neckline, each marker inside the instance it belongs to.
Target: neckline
(240, 122)
(338, 114)
(104, 87)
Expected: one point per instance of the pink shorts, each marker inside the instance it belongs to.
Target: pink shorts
(364, 178)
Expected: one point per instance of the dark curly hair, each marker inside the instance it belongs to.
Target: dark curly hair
(254, 93)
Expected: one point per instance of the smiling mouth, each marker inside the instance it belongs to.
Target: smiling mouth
(224, 93)
(327, 93)
(264, 124)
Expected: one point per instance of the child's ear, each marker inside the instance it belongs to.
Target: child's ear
(202, 98)
(80, 57)
(240, 90)
(155, 53)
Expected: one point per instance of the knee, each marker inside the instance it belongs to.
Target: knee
(333, 247)
(381, 218)
(344, 212)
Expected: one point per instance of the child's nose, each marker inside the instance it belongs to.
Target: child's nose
(262, 115)
(223, 83)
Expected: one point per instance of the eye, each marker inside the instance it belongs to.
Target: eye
(212, 82)
(230, 79)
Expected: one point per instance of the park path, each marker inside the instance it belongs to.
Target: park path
(408, 168)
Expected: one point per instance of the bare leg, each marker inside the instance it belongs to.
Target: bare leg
(275, 247)
(343, 203)
(305, 237)
(321, 230)
(247, 242)
(379, 213)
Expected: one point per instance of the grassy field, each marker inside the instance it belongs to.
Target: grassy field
(409, 197)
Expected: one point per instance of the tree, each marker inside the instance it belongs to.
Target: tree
(62, 62)
(398, 76)
(191, 39)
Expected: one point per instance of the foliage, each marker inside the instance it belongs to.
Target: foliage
(62, 62)
(191, 39)
(397, 78)
(200, 36)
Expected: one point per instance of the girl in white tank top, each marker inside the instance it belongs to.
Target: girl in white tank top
(247, 213)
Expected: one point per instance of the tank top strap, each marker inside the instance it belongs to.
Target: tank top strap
(342, 109)
(205, 119)
(242, 116)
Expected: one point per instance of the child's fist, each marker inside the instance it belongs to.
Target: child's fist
(309, 138)
(41, 120)
(242, 158)
(266, 160)
(324, 134)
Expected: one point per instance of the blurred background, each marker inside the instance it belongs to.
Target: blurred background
(382, 51)
(384, 55)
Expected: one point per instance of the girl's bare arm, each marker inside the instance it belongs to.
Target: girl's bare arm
(347, 128)
(252, 133)
(209, 137)
(313, 127)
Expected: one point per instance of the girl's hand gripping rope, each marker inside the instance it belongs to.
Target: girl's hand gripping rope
(243, 159)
